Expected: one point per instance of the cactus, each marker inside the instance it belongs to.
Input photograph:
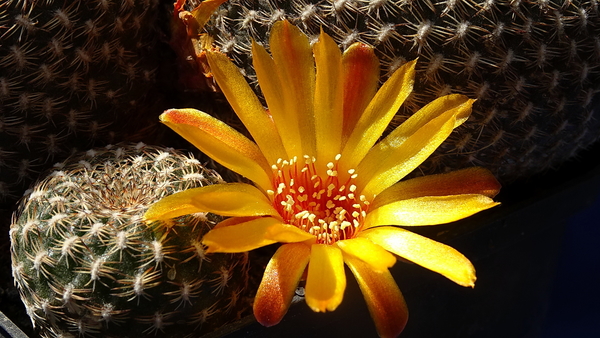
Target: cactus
(533, 65)
(86, 265)
(73, 74)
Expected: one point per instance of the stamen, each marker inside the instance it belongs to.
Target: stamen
(301, 214)
(321, 205)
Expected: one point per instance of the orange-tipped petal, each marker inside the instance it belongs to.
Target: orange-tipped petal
(392, 158)
(428, 253)
(248, 236)
(221, 142)
(279, 282)
(360, 78)
(474, 180)
(328, 97)
(428, 210)
(247, 106)
(326, 279)
(361, 248)
(295, 65)
(383, 297)
(378, 115)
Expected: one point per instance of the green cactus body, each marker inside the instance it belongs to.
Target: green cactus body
(86, 264)
(533, 65)
(73, 74)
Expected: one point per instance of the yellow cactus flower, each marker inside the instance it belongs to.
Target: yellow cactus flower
(324, 185)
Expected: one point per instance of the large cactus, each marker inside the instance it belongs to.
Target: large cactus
(533, 65)
(73, 74)
(87, 265)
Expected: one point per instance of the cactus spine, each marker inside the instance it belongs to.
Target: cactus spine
(533, 65)
(73, 74)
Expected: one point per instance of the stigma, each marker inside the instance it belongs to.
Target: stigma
(314, 197)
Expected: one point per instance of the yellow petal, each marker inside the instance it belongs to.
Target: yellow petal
(279, 283)
(389, 161)
(247, 106)
(271, 87)
(235, 221)
(474, 180)
(295, 66)
(360, 78)
(326, 280)
(428, 210)
(284, 234)
(228, 199)
(460, 105)
(221, 142)
(328, 97)
(244, 236)
(378, 115)
(365, 250)
(428, 253)
(288, 234)
(204, 11)
(383, 297)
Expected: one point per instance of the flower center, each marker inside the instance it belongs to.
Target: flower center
(319, 204)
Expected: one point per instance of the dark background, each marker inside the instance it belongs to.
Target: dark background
(575, 300)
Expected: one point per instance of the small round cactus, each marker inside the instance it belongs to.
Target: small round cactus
(87, 265)
(533, 65)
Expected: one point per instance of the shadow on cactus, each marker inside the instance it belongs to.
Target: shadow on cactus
(87, 265)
